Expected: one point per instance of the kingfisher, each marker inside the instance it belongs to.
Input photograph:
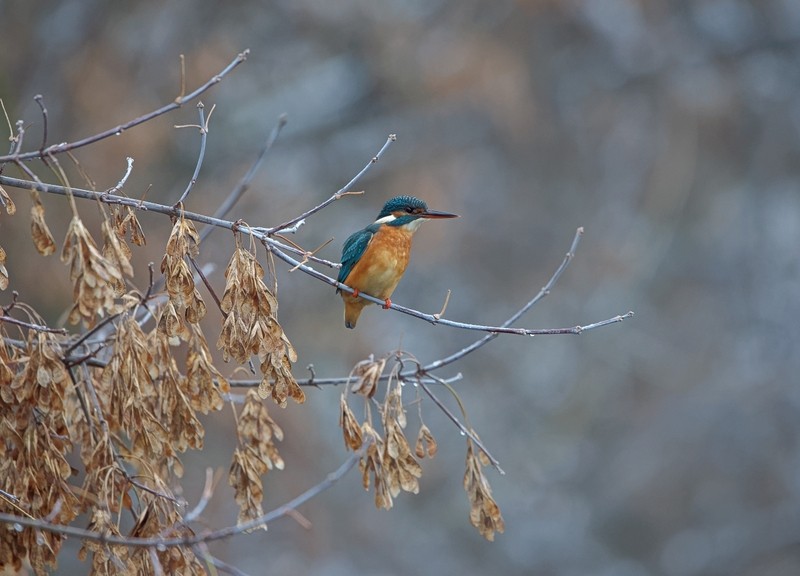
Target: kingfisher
(375, 258)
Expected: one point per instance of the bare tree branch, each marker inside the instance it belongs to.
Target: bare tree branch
(244, 183)
(203, 126)
(341, 192)
(314, 381)
(464, 430)
(39, 99)
(124, 178)
(432, 318)
(279, 252)
(519, 313)
(37, 327)
(177, 103)
(18, 522)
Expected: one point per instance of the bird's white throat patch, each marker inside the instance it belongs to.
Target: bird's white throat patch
(411, 226)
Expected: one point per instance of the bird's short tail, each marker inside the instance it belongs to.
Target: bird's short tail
(352, 310)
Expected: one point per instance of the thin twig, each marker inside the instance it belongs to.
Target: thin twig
(244, 183)
(8, 121)
(296, 250)
(36, 327)
(8, 496)
(337, 381)
(155, 562)
(18, 139)
(13, 501)
(113, 199)
(183, 77)
(208, 492)
(207, 284)
(341, 192)
(464, 430)
(444, 306)
(308, 255)
(202, 552)
(519, 313)
(304, 522)
(22, 166)
(40, 101)
(203, 137)
(194, 539)
(124, 178)
(93, 330)
(13, 304)
(177, 103)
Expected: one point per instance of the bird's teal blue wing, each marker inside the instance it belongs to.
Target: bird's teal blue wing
(354, 247)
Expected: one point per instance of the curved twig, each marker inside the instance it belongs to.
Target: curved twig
(203, 126)
(519, 313)
(244, 183)
(339, 193)
(177, 103)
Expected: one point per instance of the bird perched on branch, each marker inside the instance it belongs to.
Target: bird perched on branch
(375, 258)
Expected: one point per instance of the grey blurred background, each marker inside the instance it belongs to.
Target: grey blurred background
(670, 130)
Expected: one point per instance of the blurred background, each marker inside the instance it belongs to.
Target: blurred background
(668, 444)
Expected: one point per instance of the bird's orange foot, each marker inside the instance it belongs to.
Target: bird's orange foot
(356, 292)
(386, 304)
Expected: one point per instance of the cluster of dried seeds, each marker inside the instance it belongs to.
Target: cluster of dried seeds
(401, 469)
(205, 384)
(173, 404)
(351, 429)
(125, 220)
(388, 463)
(138, 409)
(97, 281)
(34, 438)
(105, 559)
(368, 374)
(255, 456)
(251, 328)
(159, 519)
(135, 414)
(185, 303)
(484, 513)
(426, 443)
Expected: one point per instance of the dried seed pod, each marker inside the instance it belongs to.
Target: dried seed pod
(40, 232)
(186, 304)
(255, 456)
(96, 280)
(350, 426)
(484, 513)
(426, 443)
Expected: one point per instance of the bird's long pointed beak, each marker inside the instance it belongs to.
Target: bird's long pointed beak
(433, 214)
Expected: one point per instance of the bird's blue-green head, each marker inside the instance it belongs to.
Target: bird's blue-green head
(408, 211)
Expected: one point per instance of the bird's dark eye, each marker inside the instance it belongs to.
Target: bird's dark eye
(409, 209)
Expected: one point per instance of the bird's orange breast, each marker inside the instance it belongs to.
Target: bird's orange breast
(383, 263)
